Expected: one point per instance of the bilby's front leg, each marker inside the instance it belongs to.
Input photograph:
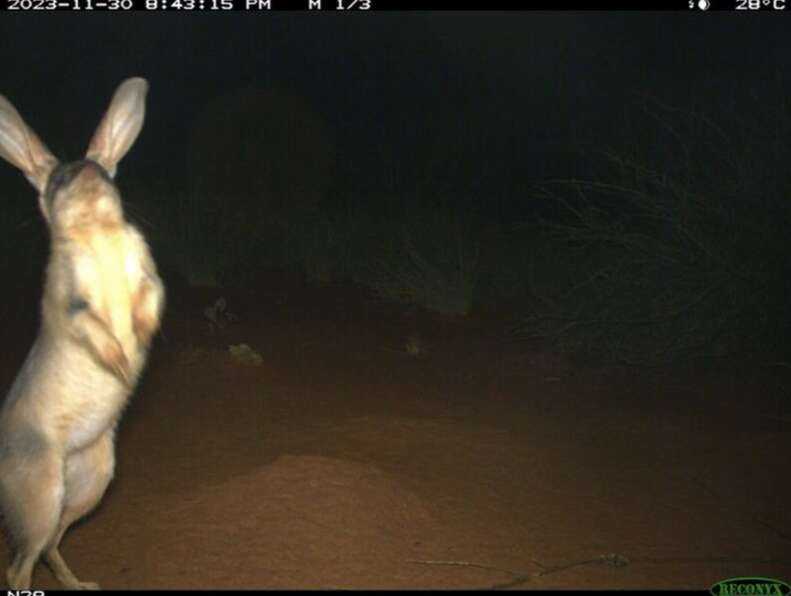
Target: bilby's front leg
(148, 296)
(89, 329)
(147, 304)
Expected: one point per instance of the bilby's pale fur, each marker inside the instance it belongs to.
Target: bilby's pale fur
(101, 305)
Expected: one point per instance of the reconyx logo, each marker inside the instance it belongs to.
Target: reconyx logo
(750, 586)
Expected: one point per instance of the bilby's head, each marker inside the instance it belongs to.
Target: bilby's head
(81, 192)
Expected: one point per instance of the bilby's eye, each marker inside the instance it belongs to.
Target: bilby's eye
(61, 176)
(76, 304)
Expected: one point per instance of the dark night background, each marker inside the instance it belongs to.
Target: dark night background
(512, 90)
(327, 133)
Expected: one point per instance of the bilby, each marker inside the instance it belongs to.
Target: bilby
(102, 302)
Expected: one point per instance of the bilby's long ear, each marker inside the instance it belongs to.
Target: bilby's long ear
(20, 146)
(120, 125)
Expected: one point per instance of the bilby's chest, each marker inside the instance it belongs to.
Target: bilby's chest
(108, 271)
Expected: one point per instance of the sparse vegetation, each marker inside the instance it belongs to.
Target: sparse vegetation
(674, 256)
(431, 262)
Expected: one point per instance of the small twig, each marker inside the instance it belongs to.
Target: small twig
(611, 559)
(778, 531)
(464, 564)
(519, 578)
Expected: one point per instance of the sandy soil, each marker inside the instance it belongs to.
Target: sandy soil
(374, 447)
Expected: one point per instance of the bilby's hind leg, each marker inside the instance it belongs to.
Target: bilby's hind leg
(32, 493)
(88, 472)
(61, 570)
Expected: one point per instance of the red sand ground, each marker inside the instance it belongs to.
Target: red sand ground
(343, 460)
